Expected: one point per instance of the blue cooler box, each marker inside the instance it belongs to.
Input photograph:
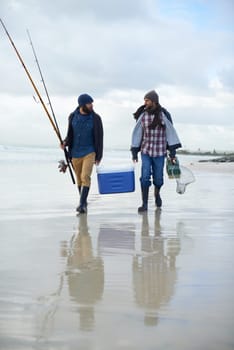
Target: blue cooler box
(116, 180)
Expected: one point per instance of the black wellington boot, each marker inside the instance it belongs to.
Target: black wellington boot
(158, 200)
(145, 195)
(79, 190)
(83, 200)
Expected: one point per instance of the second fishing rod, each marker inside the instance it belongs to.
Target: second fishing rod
(51, 107)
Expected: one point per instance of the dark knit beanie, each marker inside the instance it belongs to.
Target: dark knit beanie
(152, 96)
(84, 99)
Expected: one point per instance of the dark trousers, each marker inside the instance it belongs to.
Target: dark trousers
(152, 166)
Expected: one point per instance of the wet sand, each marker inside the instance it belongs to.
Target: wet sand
(113, 279)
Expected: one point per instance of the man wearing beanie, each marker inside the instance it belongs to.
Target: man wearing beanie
(153, 135)
(85, 145)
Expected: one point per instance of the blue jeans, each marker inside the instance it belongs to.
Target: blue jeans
(152, 166)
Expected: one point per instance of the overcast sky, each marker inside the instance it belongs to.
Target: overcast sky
(117, 51)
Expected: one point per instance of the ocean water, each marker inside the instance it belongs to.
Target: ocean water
(113, 279)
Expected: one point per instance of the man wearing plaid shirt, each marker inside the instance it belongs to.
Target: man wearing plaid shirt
(157, 135)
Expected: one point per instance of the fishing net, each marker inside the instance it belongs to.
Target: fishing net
(186, 177)
(181, 174)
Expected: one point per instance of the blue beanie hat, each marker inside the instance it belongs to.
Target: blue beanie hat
(84, 99)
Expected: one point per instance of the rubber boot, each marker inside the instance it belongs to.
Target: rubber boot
(158, 200)
(79, 189)
(145, 195)
(83, 200)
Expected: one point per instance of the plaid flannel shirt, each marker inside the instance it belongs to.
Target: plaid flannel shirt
(154, 141)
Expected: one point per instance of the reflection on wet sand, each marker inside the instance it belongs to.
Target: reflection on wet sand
(85, 275)
(116, 238)
(154, 270)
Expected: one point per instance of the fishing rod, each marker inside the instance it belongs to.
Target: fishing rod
(50, 104)
(43, 81)
(36, 90)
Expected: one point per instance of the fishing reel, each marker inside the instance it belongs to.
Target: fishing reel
(62, 166)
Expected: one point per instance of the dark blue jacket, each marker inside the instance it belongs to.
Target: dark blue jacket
(97, 135)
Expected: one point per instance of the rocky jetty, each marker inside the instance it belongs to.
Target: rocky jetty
(224, 159)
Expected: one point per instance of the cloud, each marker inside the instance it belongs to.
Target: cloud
(206, 137)
(102, 10)
(116, 51)
(226, 77)
(115, 45)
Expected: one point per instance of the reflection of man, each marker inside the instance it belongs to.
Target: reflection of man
(154, 272)
(85, 275)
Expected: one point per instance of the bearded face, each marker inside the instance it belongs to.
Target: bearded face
(149, 105)
(88, 108)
